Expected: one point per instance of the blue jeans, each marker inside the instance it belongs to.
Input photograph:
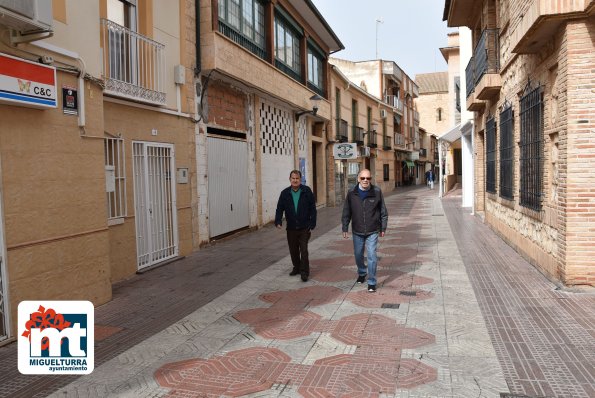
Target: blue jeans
(370, 241)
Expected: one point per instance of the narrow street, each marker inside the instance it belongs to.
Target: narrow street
(458, 313)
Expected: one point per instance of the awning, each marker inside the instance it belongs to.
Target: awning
(409, 163)
(451, 135)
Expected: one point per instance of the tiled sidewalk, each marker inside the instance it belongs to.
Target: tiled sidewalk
(420, 335)
(458, 313)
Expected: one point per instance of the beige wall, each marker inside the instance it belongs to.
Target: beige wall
(53, 190)
(427, 106)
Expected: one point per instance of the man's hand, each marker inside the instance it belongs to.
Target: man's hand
(345, 235)
(382, 234)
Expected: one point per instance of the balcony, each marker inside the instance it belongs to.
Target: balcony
(483, 69)
(423, 152)
(386, 145)
(342, 128)
(372, 139)
(399, 140)
(392, 69)
(416, 116)
(542, 20)
(358, 135)
(395, 102)
(463, 12)
(133, 65)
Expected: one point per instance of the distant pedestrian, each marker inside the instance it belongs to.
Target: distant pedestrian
(428, 178)
(364, 207)
(431, 178)
(298, 204)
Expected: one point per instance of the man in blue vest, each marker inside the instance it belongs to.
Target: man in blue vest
(298, 204)
(364, 207)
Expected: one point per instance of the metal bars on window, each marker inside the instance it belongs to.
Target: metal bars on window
(531, 109)
(115, 166)
(491, 155)
(247, 29)
(506, 152)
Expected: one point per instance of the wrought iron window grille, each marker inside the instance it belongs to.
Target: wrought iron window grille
(506, 150)
(531, 147)
(491, 154)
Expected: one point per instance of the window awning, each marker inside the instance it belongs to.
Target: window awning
(409, 163)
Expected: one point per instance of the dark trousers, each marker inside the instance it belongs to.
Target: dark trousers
(297, 239)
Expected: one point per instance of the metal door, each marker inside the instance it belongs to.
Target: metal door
(228, 186)
(154, 203)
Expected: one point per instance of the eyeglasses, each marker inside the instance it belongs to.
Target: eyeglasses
(365, 178)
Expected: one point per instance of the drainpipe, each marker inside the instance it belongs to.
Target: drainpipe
(198, 67)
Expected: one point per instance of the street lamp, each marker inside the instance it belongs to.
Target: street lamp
(315, 101)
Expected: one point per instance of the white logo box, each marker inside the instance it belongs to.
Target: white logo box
(49, 322)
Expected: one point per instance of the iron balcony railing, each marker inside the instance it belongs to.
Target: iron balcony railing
(342, 131)
(358, 135)
(394, 101)
(133, 65)
(399, 139)
(372, 139)
(487, 54)
(486, 59)
(386, 143)
(423, 152)
(469, 78)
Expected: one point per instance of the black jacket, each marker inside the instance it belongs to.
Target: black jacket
(305, 218)
(367, 216)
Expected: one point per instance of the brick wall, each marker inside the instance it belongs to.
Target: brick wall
(226, 107)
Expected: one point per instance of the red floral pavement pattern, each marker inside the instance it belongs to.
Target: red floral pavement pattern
(374, 368)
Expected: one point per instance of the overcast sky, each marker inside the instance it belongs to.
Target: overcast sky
(411, 35)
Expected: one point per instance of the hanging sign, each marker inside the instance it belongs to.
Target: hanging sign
(27, 83)
(345, 150)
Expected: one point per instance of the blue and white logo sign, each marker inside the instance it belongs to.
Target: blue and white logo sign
(56, 337)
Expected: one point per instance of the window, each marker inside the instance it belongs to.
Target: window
(385, 172)
(243, 22)
(338, 113)
(506, 152)
(353, 119)
(315, 69)
(369, 113)
(530, 146)
(122, 61)
(458, 94)
(287, 46)
(122, 12)
(439, 114)
(115, 174)
(491, 155)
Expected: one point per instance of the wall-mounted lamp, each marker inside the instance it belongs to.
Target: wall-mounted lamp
(315, 101)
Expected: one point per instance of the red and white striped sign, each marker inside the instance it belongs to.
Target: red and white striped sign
(27, 83)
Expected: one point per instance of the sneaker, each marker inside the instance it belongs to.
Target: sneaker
(372, 288)
(294, 272)
(361, 278)
(304, 278)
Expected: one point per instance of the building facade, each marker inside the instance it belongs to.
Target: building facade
(96, 146)
(361, 119)
(386, 81)
(529, 83)
(260, 71)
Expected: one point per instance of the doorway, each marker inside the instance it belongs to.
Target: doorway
(154, 203)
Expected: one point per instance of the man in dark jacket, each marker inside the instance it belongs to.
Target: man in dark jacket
(298, 204)
(364, 207)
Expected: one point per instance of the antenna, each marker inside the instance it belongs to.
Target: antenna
(379, 20)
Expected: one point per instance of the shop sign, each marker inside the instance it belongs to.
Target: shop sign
(345, 150)
(27, 83)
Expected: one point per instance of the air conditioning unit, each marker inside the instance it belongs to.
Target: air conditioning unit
(26, 16)
(383, 113)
